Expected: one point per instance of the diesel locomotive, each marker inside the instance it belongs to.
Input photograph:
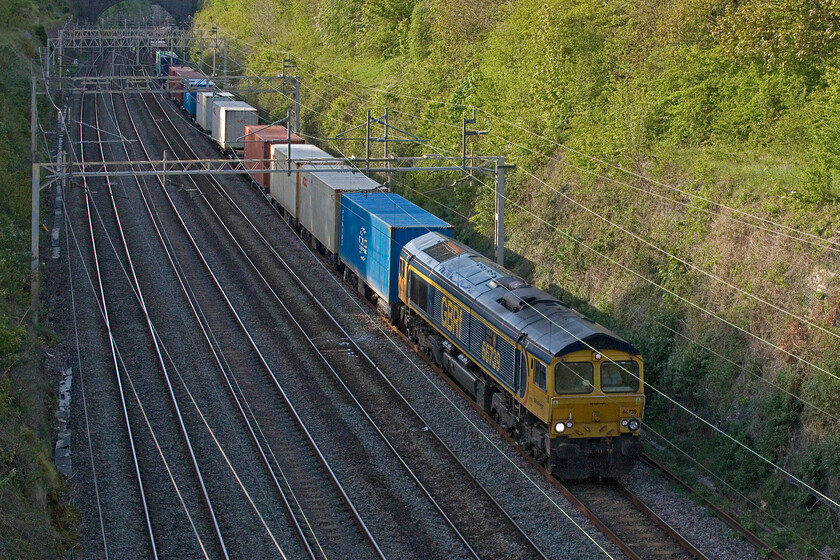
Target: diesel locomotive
(567, 389)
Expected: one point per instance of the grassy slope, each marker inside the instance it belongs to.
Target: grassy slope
(30, 490)
(692, 94)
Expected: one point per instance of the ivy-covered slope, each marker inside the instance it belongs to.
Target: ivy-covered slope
(678, 177)
(32, 507)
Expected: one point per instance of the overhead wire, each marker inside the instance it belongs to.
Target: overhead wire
(816, 238)
(758, 507)
(671, 255)
(654, 388)
(224, 455)
(708, 423)
(664, 395)
(686, 263)
(82, 383)
(654, 181)
(72, 230)
(693, 266)
(560, 508)
(830, 246)
(825, 244)
(708, 312)
(746, 369)
(702, 271)
(681, 298)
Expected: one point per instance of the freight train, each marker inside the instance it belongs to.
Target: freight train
(567, 389)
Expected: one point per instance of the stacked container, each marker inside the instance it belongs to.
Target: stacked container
(258, 142)
(204, 106)
(163, 60)
(374, 229)
(229, 120)
(284, 187)
(173, 72)
(194, 85)
(177, 76)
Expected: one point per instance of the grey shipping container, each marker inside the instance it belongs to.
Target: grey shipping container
(283, 187)
(204, 106)
(229, 120)
(319, 201)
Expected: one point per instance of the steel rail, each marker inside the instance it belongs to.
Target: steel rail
(754, 539)
(216, 353)
(295, 416)
(112, 341)
(370, 361)
(156, 341)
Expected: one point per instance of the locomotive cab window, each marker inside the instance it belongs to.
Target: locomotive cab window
(540, 377)
(573, 377)
(402, 268)
(620, 377)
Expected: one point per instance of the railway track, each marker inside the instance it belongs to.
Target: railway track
(632, 526)
(158, 453)
(294, 463)
(457, 496)
(766, 549)
(124, 440)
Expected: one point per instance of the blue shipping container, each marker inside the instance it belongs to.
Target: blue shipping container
(191, 93)
(165, 59)
(374, 228)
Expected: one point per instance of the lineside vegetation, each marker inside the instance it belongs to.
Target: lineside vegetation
(35, 521)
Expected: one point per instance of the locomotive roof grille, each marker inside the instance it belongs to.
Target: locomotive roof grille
(444, 251)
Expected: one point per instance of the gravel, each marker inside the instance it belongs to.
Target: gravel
(697, 524)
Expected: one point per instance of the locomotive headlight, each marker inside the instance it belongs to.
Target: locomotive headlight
(560, 427)
(624, 422)
(633, 424)
(569, 424)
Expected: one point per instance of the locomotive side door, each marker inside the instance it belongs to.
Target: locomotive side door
(402, 283)
(521, 372)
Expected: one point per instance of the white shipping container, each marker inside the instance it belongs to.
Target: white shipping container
(319, 201)
(204, 106)
(229, 120)
(283, 188)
